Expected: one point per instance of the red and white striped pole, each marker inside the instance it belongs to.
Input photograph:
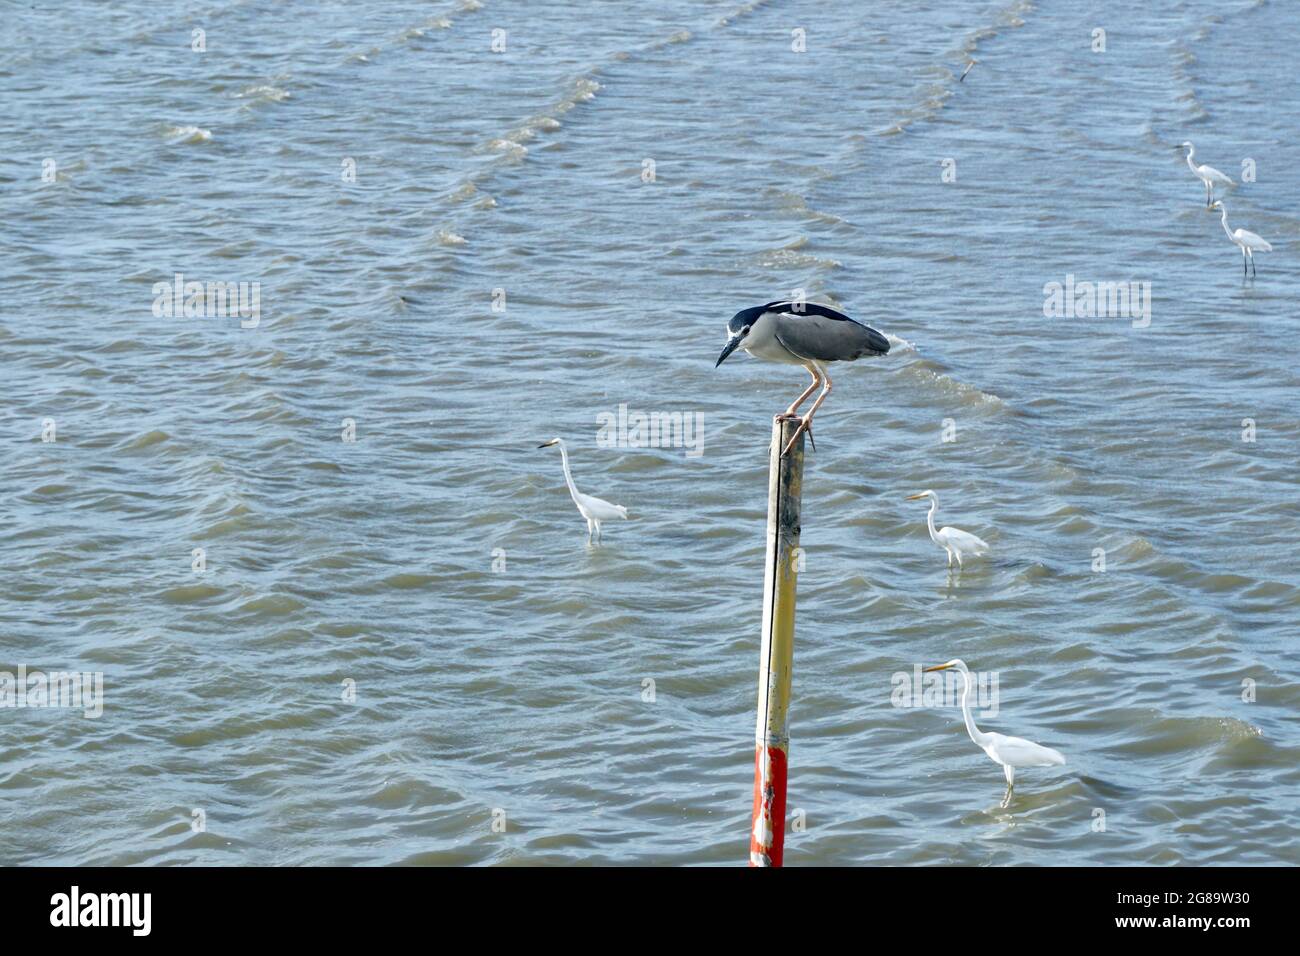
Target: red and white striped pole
(776, 657)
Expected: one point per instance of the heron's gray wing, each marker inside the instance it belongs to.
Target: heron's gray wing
(820, 333)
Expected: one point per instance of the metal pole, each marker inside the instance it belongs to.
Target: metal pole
(776, 657)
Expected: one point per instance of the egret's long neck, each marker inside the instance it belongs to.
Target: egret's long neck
(1191, 165)
(929, 518)
(976, 734)
(1224, 219)
(568, 476)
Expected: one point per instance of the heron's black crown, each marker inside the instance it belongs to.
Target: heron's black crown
(747, 317)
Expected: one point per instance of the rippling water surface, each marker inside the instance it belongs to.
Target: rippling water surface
(436, 565)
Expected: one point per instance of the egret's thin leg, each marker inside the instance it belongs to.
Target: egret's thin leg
(1010, 771)
(590, 523)
(958, 553)
(1252, 265)
(816, 381)
(805, 424)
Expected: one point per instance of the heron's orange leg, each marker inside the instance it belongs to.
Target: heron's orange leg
(805, 423)
(790, 412)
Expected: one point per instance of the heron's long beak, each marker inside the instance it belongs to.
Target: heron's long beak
(732, 344)
(547, 444)
(914, 497)
(936, 667)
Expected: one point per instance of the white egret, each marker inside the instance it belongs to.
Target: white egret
(594, 509)
(1246, 241)
(1206, 174)
(953, 540)
(1010, 752)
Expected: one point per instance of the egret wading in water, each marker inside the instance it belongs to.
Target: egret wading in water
(953, 540)
(1010, 752)
(1206, 174)
(594, 509)
(1246, 241)
(801, 333)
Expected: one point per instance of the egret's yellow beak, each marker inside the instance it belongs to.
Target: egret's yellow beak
(547, 444)
(914, 497)
(936, 667)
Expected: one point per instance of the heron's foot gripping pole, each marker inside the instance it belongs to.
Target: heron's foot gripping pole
(805, 425)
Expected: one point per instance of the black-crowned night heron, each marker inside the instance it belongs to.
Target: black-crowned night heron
(801, 333)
